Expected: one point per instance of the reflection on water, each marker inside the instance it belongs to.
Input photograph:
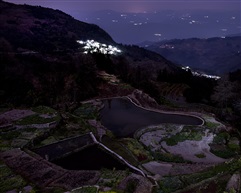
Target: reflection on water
(123, 118)
(91, 158)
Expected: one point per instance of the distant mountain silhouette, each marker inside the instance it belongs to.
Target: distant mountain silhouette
(213, 55)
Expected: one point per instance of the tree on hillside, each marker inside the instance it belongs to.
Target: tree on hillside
(224, 93)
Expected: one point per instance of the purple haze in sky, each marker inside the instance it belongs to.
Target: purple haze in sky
(135, 21)
(133, 5)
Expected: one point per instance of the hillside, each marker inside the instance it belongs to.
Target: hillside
(43, 29)
(213, 55)
(42, 63)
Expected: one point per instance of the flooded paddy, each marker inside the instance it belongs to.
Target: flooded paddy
(123, 118)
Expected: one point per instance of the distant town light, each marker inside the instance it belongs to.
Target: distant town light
(187, 68)
(157, 34)
(92, 46)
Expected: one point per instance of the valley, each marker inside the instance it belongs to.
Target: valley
(81, 113)
(214, 56)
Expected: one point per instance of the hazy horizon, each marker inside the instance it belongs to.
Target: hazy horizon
(133, 22)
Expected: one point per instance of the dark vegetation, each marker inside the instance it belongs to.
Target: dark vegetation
(174, 183)
(33, 79)
(199, 88)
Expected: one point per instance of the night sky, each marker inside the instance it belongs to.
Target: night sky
(133, 5)
(135, 21)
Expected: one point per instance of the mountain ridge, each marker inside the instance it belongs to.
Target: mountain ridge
(29, 24)
(39, 29)
(212, 55)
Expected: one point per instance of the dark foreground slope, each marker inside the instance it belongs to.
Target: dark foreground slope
(213, 55)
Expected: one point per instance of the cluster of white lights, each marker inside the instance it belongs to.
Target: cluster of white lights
(91, 46)
(167, 46)
(158, 34)
(137, 23)
(201, 74)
